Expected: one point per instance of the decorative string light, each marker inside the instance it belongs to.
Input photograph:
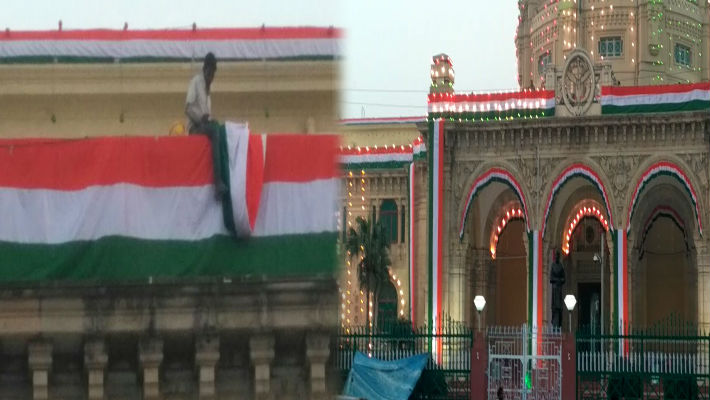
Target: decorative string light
(510, 214)
(491, 106)
(668, 23)
(356, 158)
(346, 294)
(362, 197)
(582, 212)
(352, 303)
(401, 302)
(442, 73)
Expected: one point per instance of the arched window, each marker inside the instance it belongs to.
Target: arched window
(387, 304)
(402, 228)
(388, 216)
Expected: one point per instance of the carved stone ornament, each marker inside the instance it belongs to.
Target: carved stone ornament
(620, 169)
(461, 174)
(578, 84)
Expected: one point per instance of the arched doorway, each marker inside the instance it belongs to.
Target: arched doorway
(495, 215)
(664, 218)
(665, 280)
(668, 280)
(507, 285)
(577, 222)
(587, 257)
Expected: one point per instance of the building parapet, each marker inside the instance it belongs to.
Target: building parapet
(580, 88)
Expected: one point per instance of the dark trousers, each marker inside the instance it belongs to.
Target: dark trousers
(556, 317)
(211, 129)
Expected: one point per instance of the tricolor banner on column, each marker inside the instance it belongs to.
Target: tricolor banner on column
(535, 281)
(621, 297)
(412, 271)
(535, 243)
(436, 213)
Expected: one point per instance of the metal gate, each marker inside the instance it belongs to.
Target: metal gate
(526, 363)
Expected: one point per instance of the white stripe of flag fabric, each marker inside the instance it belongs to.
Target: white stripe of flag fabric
(246, 177)
(128, 208)
(167, 44)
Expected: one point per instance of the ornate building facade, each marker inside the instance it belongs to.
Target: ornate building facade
(644, 42)
(238, 336)
(615, 179)
(51, 91)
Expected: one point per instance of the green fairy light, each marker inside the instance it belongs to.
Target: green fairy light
(528, 381)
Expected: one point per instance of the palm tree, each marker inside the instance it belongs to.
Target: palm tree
(371, 245)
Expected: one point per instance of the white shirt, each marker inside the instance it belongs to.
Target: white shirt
(198, 101)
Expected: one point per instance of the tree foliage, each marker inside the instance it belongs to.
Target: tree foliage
(368, 243)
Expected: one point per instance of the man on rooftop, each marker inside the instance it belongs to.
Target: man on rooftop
(198, 109)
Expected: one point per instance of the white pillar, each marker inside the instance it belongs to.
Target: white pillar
(702, 258)
(150, 357)
(206, 358)
(317, 353)
(95, 360)
(261, 351)
(40, 363)
(457, 278)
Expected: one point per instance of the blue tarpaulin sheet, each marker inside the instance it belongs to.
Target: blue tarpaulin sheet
(374, 379)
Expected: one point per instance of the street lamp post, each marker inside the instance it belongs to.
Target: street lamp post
(480, 302)
(570, 302)
(599, 258)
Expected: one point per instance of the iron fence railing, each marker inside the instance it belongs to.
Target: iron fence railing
(669, 360)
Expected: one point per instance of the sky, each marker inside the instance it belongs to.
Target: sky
(390, 46)
(387, 48)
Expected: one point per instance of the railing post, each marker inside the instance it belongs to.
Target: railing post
(525, 359)
(479, 363)
(569, 365)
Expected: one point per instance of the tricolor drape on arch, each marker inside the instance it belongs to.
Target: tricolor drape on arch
(129, 208)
